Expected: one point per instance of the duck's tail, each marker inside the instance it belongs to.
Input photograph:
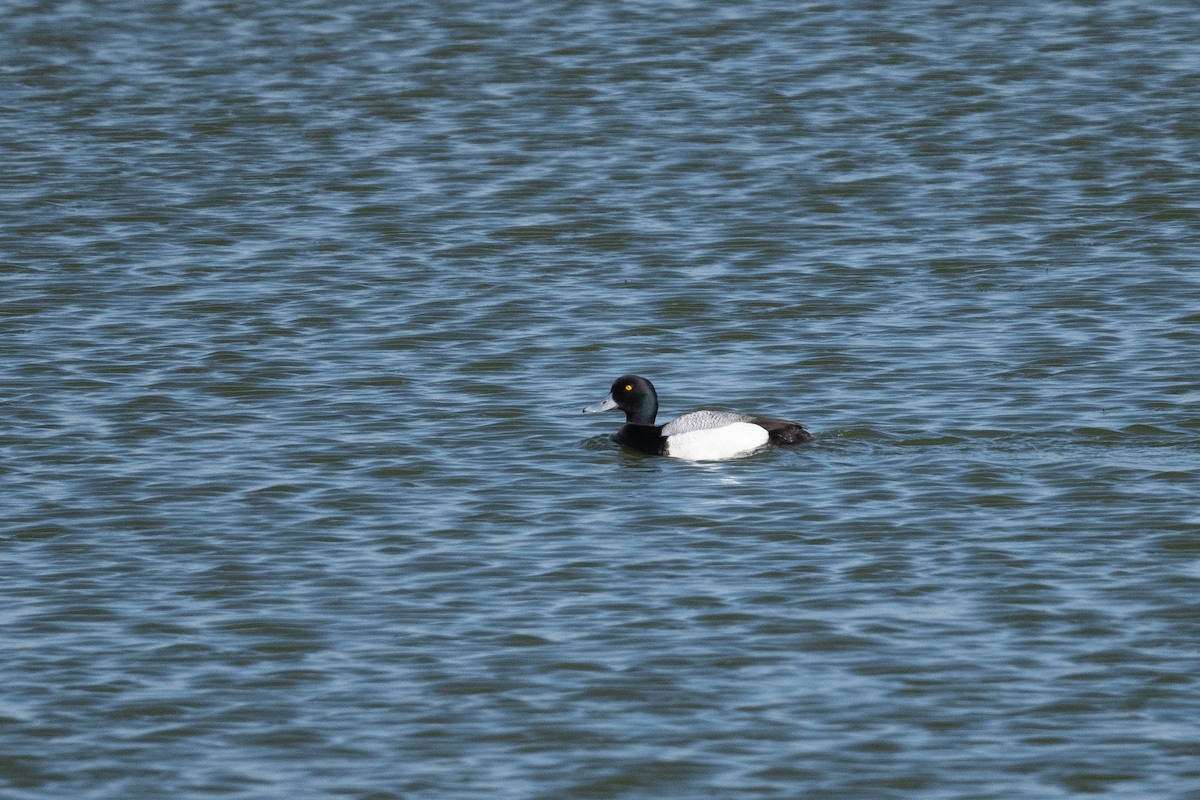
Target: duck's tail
(782, 431)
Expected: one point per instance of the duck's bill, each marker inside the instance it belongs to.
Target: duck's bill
(604, 405)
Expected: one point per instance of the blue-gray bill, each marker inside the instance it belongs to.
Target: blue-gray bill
(604, 405)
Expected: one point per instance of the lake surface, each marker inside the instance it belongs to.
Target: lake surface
(301, 302)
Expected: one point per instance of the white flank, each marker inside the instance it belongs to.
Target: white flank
(714, 444)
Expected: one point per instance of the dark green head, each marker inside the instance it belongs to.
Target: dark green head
(634, 395)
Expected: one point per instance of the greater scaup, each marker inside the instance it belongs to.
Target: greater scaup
(699, 436)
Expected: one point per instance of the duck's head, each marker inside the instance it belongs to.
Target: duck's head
(634, 395)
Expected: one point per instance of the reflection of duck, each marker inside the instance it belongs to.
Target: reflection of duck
(699, 436)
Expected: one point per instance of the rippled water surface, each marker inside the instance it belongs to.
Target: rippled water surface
(301, 302)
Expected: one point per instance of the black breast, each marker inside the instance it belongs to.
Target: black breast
(647, 438)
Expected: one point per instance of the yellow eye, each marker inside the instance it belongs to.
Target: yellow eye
(629, 387)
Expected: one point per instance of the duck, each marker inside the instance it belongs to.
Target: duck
(698, 436)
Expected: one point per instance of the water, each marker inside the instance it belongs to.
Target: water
(301, 303)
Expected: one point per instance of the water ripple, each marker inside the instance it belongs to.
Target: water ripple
(300, 306)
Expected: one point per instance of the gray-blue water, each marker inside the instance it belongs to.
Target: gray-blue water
(300, 302)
